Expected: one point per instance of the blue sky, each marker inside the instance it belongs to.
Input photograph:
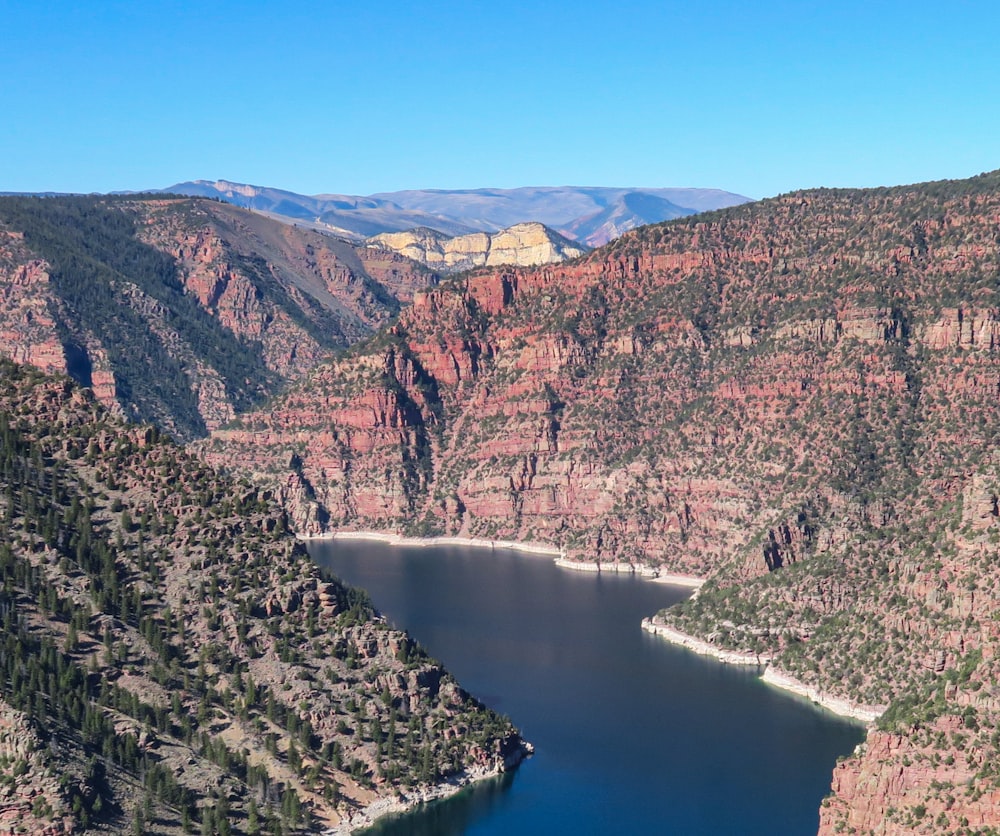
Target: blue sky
(359, 97)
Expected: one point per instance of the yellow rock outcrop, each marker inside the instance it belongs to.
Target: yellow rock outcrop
(522, 245)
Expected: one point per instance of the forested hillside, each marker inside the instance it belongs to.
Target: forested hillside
(172, 660)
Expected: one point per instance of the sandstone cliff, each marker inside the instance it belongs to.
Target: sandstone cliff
(522, 245)
(184, 311)
(690, 384)
(796, 399)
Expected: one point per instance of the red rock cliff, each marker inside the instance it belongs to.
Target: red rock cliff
(796, 399)
(278, 300)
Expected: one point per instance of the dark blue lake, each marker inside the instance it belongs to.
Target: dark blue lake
(632, 735)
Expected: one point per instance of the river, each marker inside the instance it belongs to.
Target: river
(632, 735)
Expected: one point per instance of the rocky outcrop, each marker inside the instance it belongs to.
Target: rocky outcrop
(26, 325)
(522, 245)
(32, 797)
(912, 783)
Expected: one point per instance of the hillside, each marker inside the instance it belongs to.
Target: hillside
(795, 399)
(522, 245)
(592, 215)
(172, 658)
(184, 311)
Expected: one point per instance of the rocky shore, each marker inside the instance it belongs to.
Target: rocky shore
(838, 705)
(407, 802)
(730, 657)
(392, 539)
(689, 581)
(772, 676)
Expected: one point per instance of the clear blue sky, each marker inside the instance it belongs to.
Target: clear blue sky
(359, 97)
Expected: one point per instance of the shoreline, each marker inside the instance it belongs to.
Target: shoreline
(840, 706)
(770, 676)
(392, 539)
(703, 648)
(366, 817)
(642, 570)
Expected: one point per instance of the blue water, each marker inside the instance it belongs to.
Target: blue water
(632, 735)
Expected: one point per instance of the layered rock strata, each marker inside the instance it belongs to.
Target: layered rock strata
(795, 399)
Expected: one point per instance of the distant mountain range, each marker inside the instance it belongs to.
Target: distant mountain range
(590, 215)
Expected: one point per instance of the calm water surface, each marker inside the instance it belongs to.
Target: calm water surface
(632, 735)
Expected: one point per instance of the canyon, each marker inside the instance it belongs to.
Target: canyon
(184, 311)
(793, 399)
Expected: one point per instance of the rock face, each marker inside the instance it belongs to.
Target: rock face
(33, 799)
(691, 384)
(522, 245)
(180, 655)
(796, 399)
(184, 311)
(912, 783)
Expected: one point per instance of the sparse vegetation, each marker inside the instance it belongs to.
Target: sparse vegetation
(160, 620)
